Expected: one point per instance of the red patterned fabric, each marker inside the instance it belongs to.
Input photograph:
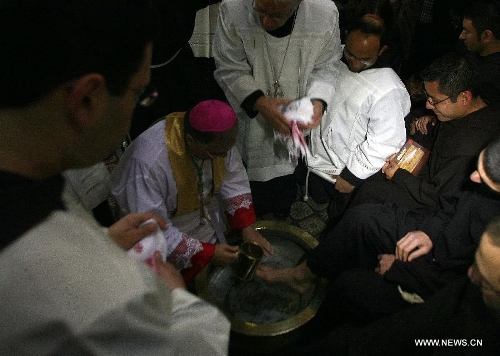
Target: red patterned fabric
(181, 256)
(199, 261)
(242, 217)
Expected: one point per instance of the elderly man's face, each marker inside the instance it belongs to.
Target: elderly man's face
(272, 15)
(361, 50)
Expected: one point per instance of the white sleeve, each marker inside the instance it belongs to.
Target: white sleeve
(152, 326)
(148, 187)
(385, 136)
(236, 179)
(324, 76)
(233, 73)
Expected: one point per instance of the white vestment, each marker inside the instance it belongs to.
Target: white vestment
(68, 289)
(245, 64)
(363, 126)
(143, 181)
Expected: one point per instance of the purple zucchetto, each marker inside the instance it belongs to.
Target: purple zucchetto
(212, 116)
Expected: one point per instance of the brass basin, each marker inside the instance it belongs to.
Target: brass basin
(254, 307)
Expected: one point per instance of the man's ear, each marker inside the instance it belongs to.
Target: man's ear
(84, 99)
(382, 50)
(465, 97)
(487, 36)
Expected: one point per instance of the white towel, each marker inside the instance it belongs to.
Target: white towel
(298, 111)
(145, 249)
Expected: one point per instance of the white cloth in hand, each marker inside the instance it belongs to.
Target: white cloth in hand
(298, 111)
(145, 249)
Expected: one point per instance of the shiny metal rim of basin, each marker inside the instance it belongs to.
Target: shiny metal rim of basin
(280, 327)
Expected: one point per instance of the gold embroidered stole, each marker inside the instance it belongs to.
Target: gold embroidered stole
(183, 167)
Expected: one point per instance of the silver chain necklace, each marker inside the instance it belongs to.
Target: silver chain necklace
(204, 217)
(278, 91)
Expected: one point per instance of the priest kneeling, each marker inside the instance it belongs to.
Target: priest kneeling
(178, 168)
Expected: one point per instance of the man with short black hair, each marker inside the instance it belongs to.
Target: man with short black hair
(465, 314)
(71, 73)
(466, 125)
(382, 258)
(481, 36)
(365, 124)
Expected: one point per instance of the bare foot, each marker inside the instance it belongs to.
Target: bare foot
(298, 278)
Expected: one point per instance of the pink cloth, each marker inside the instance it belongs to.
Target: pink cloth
(298, 111)
(212, 116)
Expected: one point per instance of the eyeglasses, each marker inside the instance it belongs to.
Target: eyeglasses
(435, 103)
(144, 96)
(274, 17)
(349, 56)
(432, 102)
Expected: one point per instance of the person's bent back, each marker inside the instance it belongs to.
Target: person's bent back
(70, 75)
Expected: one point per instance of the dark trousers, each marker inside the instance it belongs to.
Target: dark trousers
(274, 196)
(364, 232)
(361, 296)
(347, 255)
(322, 192)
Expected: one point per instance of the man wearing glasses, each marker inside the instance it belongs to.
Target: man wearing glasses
(467, 311)
(268, 53)
(365, 122)
(427, 256)
(466, 125)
